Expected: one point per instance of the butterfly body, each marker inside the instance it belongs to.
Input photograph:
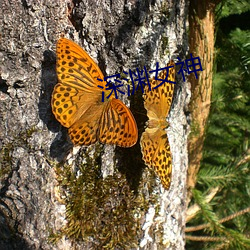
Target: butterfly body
(154, 141)
(77, 101)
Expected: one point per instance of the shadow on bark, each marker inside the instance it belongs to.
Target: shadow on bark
(130, 159)
(9, 239)
(61, 145)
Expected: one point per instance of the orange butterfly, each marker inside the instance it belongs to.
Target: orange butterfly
(77, 101)
(155, 147)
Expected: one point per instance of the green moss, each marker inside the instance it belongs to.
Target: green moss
(28, 133)
(165, 9)
(5, 160)
(105, 212)
(164, 45)
(195, 129)
(19, 140)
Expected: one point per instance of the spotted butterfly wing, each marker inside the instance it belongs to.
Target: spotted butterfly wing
(154, 141)
(77, 101)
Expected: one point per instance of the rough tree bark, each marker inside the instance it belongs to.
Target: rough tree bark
(201, 40)
(41, 171)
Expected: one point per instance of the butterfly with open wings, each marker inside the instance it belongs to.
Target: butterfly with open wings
(77, 101)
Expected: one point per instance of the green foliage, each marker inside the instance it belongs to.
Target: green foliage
(226, 153)
(234, 7)
(207, 211)
(218, 176)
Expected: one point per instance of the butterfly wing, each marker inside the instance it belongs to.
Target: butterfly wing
(76, 68)
(77, 89)
(154, 142)
(117, 125)
(69, 104)
(78, 111)
(85, 130)
(156, 154)
(157, 102)
(77, 105)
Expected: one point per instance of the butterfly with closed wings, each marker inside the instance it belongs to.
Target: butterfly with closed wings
(154, 141)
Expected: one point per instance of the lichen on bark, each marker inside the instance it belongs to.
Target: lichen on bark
(119, 35)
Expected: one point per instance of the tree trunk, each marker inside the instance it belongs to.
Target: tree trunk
(54, 195)
(201, 40)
